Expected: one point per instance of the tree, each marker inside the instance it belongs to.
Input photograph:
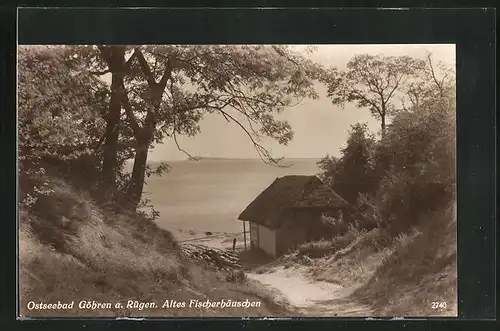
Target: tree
(164, 91)
(352, 173)
(59, 110)
(98, 61)
(418, 153)
(170, 88)
(372, 81)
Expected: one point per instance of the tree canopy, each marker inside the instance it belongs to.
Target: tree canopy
(159, 92)
(59, 109)
(373, 82)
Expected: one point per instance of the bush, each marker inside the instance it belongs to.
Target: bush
(315, 248)
(352, 173)
(333, 225)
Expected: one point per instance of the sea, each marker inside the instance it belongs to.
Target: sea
(209, 194)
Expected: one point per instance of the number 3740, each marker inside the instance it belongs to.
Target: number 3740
(438, 305)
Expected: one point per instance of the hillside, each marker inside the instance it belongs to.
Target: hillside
(412, 274)
(73, 250)
(419, 277)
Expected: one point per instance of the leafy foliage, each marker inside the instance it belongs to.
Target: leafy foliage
(245, 84)
(59, 112)
(58, 117)
(410, 170)
(65, 102)
(351, 174)
(420, 150)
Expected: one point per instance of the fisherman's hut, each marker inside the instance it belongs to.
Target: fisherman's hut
(288, 213)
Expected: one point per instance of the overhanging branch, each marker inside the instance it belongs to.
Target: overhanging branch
(174, 135)
(264, 153)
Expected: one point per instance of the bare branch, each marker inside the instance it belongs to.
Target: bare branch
(263, 153)
(444, 77)
(398, 81)
(433, 75)
(174, 135)
(373, 104)
(225, 117)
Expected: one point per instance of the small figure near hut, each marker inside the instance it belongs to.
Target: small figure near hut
(234, 244)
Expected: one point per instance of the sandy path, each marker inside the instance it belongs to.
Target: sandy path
(312, 298)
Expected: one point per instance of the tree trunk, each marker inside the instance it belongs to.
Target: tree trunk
(110, 152)
(383, 112)
(116, 63)
(136, 184)
(143, 137)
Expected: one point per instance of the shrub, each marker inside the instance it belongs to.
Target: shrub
(352, 173)
(315, 248)
(333, 225)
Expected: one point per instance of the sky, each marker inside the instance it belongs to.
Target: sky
(320, 128)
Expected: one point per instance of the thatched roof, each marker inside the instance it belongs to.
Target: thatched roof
(290, 192)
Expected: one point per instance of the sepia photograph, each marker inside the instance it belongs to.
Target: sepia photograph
(237, 180)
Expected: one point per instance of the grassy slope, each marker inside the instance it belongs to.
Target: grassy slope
(398, 277)
(71, 250)
(418, 272)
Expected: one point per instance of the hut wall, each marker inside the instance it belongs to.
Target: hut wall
(267, 240)
(288, 237)
(308, 220)
(299, 226)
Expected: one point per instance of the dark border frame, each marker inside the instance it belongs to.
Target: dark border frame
(472, 30)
